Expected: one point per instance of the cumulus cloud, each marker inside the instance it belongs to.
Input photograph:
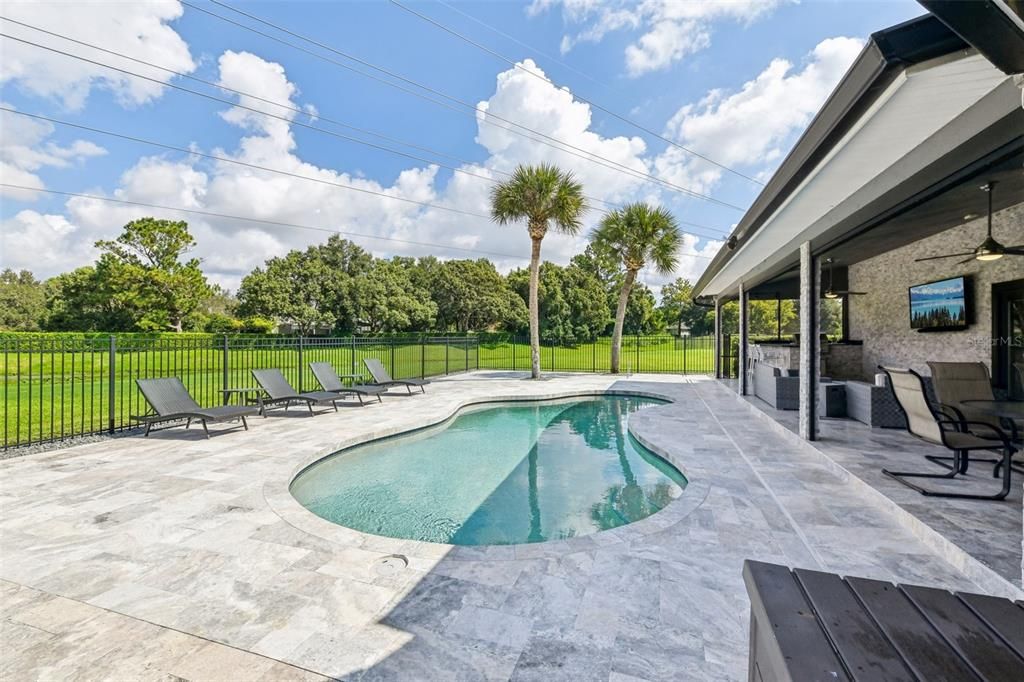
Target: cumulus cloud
(139, 29)
(754, 126)
(24, 149)
(669, 29)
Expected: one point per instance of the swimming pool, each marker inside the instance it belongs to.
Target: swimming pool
(507, 474)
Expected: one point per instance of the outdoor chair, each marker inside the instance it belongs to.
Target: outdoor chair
(332, 383)
(278, 390)
(169, 400)
(955, 383)
(382, 378)
(931, 423)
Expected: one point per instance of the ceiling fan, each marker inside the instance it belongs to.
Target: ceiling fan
(989, 249)
(832, 293)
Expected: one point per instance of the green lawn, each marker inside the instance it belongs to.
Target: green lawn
(49, 393)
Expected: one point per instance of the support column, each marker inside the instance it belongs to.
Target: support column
(744, 352)
(810, 345)
(718, 339)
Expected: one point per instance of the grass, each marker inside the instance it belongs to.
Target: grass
(51, 394)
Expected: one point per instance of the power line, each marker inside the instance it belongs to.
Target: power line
(474, 111)
(521, 43)
(213, 214)
(241, 93)
(263, 221)
(224, 159)
(597, 106)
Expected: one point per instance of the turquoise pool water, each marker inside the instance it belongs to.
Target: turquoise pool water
(514, 473)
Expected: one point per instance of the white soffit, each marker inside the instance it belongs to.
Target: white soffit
(921, 102)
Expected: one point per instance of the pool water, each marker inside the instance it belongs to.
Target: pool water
(513, 473)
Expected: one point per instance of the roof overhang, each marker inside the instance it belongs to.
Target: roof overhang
(916, 93)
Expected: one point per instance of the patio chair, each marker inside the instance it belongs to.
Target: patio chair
(382, 378)
(278, 390)
(332, 383)
(931, 424)
(169, 400)
(955, 383)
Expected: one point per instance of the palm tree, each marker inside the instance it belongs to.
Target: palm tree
(547, 198)
(636, 234)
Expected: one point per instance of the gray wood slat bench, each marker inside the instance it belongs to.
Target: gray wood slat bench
(808, 625)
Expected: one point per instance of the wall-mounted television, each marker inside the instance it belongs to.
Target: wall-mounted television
(941, 305)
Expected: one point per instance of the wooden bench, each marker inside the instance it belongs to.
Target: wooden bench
(808, 625)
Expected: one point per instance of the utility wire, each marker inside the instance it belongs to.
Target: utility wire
(521, 43)
(597, 106)
(263, 221)
(213, 214)
(479, 114)
(241, 93)
(254, 166)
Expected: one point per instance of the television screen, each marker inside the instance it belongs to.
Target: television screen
(939, 305)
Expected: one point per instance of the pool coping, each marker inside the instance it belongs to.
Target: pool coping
(277, 494)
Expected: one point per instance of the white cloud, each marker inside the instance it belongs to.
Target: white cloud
(670, 29)
(231, 248)
(24, 150)
(40, 242)
(139, 29)
(754, 126)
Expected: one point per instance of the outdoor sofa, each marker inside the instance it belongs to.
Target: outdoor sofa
(382, 378)
(169, 400)
(331, 382)
(278, 390)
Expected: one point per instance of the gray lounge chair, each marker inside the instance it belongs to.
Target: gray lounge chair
(934, 424)
(170, 401)
(278, 390)
(332, 383)
(382, 378)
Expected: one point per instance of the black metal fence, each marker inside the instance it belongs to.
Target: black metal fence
(58, 387)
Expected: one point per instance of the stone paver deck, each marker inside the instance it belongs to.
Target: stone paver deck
(180, 556)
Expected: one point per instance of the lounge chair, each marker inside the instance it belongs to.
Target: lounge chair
(170, 401)
(382, 378)
(332, 383)
(278, 390)
(931, 423)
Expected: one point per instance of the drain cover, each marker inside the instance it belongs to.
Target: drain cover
(390, 564)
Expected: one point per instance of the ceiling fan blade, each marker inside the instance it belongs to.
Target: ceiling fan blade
(854, 293)
(948, 255)
(1014, 250)
(967, 260)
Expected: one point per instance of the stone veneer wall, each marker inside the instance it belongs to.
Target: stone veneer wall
(882, 318)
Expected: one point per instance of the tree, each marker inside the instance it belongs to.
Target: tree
(145, 271)
(84, 300)
(678, 309)
(472, 295)
(636, 235)
(388, 301)
(547, 198)
(308, 290)
(22, 301)
(571, 302)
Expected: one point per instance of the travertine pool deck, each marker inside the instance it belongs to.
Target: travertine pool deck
(179, 556)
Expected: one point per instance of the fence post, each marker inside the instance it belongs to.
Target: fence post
(446, 356)
(593, 356)
(352, 355)
(300, 364)
(110, 378)
(393, 371)
(423, 357)
(637, 354)
(478, 353)
(684, 355)
(225, 359)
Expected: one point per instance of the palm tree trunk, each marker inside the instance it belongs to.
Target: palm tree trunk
(535, 310)
(620, 318)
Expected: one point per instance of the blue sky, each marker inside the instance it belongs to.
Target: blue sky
(737, 81)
